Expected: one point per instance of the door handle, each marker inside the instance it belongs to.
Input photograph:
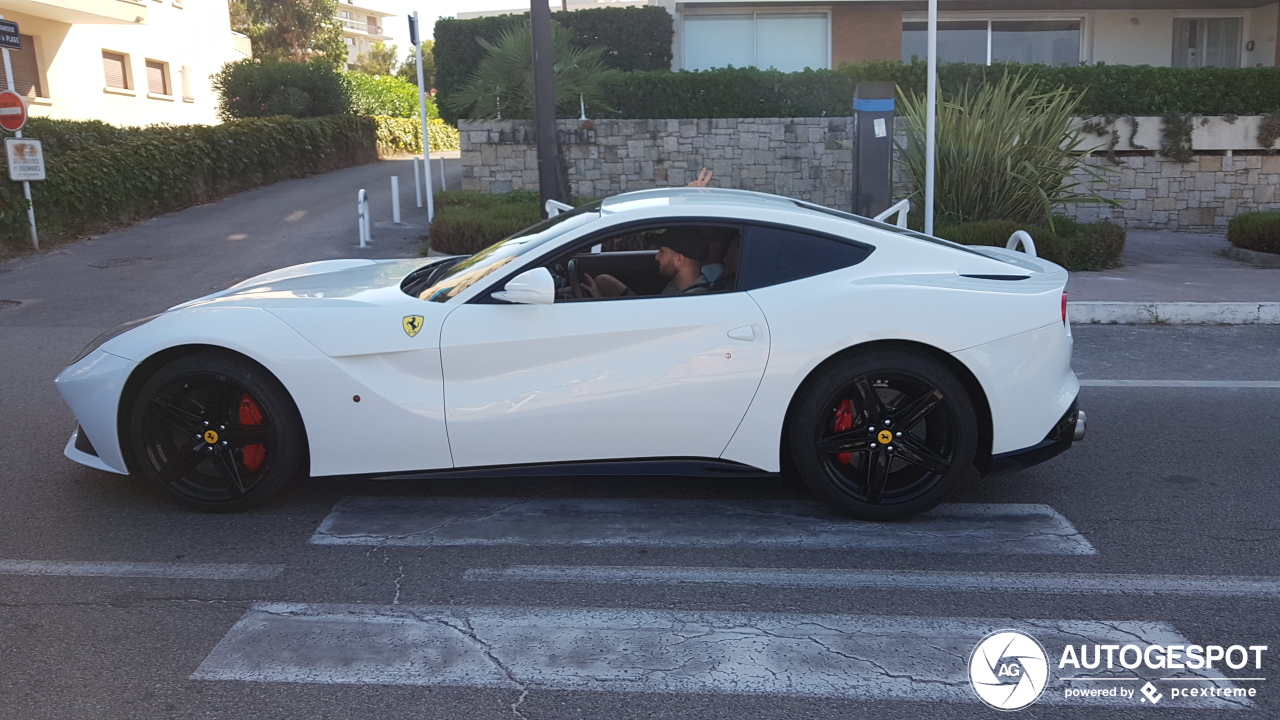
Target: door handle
(746, 332)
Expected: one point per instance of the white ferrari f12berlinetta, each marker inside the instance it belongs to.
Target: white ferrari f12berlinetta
(762, 335)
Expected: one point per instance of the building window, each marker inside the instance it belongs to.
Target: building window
(26, 72)
(158, 78)
(787, 42)
(1048, 42)
(1207, 42)
(115, 69)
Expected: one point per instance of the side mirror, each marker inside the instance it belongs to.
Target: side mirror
(531, 287)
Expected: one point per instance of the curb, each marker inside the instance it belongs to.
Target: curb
(1174, 313)
(1251, 256)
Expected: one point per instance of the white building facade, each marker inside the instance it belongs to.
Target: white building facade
(362, 26)
(125, 62)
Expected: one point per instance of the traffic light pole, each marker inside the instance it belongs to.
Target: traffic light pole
(422, 108)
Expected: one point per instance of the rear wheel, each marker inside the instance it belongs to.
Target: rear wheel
(884, 435)
(218, 433)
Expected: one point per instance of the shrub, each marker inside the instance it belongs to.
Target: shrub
(398, 136)
(1005, 150)
(385, 95)
(267, 88)
(1075, 246)
(467, 222)
(1258, 231)
(142, 172)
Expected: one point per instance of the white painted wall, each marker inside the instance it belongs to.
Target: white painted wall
(1116, 40)
(194, 33)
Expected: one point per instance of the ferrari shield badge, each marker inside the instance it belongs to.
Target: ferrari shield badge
(412, 324)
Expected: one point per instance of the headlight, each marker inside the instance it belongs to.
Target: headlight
(113, 332)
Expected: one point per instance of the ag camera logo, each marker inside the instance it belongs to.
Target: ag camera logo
(1008, 670)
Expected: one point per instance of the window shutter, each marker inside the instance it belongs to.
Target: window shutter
(186, 83)
(156, 81)
(791, 43)
(718, 41)
(26, 74)
(114, 71)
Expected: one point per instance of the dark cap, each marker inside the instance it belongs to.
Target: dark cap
(685, 240)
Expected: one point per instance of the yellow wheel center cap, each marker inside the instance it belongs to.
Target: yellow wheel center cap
(211, 436)
(885, 437)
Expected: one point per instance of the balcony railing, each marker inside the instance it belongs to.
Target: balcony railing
(363, 27)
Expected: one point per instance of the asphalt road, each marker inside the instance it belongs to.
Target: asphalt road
(342, 599)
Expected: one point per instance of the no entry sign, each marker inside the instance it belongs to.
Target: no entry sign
(13, 111)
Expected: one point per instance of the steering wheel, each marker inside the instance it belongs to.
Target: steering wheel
(575, 279)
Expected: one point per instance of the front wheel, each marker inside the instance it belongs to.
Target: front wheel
(219, 433)
(884, 435)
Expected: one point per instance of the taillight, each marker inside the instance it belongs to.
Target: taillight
(1064, 307)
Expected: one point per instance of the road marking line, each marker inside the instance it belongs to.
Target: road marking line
(957, 528)
(176, 571)
(1182, 383)
(1068, 583)
(658, 651)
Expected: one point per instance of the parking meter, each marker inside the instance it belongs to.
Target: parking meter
(873, 111)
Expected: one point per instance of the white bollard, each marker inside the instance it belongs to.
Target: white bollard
(362, 213)
(442, 185)
(395, 199)
(417, 181)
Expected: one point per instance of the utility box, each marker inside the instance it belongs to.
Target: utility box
(873, 109)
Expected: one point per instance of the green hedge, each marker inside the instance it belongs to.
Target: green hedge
(1258, 231)
(268, 88)
(385, 95)
(134, 173)
(1071, 244)
(1108, 90)
(467, 222)
(635, 38)
(404, 135)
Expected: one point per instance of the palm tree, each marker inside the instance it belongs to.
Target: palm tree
(502, 85)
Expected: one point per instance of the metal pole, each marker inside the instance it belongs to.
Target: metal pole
(417, 180)
(544, 104)
(395, 199)
(931, 120)
(26, 186)
(422, 109)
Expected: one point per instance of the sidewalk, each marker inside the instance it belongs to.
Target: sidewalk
(1177, 278)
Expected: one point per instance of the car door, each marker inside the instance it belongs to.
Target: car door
(668, 376)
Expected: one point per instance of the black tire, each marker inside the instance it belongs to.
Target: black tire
(217, 432)
(839, 446)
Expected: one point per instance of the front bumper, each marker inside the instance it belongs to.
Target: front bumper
(1068, 430)
(92, 388)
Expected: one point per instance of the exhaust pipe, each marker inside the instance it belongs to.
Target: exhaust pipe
(1079, 433)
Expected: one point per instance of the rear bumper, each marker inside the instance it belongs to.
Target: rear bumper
(1069, 429)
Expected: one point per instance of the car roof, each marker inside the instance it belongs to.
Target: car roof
(696, 199)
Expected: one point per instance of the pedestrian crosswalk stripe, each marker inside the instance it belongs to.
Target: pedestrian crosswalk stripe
(438, 521)
(657, 651)
(918, 580)
(169, 570)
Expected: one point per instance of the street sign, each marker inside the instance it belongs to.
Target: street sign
(13, 111)
(9, 36)
(26, 159)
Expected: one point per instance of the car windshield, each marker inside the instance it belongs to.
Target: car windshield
(487, 261)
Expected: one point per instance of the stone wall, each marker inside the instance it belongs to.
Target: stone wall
(809, 159)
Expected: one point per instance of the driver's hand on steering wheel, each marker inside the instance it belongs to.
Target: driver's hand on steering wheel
(589, 287)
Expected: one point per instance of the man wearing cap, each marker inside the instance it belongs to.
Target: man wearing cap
(681, 252)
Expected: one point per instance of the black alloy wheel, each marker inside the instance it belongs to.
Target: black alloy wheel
(885, 435)
(217, 432)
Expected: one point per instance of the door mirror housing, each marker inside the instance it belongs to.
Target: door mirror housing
(531, 287)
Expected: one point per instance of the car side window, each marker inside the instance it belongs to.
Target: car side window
(628, 264)
(773, 255)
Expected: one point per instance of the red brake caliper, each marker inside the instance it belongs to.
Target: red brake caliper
(251, 414)
(844, 421)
